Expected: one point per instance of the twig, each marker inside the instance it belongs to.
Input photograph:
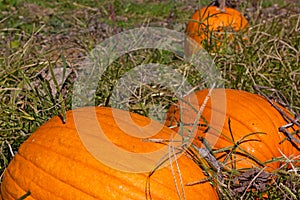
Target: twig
(179, 186)
(283, 103)
(287, 133)
(199, 113)
(292, 121)
(156, 140)
(205, 153)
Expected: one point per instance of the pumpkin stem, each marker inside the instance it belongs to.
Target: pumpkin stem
(222, 4)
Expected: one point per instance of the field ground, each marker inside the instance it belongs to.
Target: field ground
(43, 44)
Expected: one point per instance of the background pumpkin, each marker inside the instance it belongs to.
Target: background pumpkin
(211, 23)
(53, 164)
(248, 113)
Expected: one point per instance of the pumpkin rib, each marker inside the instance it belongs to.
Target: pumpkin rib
(62, 181)
(236, 139)
(235, 132)
(263, 112)
(271, 117)
(137, 120)
(20, 174)
(271, 123)
(58, 153)
(77, 165)
(235, 119)
(57, 157)
(161, 184)
(9, 194)
(259, 118)
(251, 144)
(249, 114)
(46, 176)
(271, 120)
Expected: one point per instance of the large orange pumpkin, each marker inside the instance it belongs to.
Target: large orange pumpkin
(245, 113)
(53, 163)
(212, 24)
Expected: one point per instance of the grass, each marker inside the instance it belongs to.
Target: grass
(43, 44)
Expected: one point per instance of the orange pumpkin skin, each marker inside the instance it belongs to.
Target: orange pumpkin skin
(248, 113)
(210, 22)
(54, 164)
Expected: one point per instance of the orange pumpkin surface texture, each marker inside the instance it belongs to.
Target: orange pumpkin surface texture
(53, 163)
(244, 113)
(211, 23)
